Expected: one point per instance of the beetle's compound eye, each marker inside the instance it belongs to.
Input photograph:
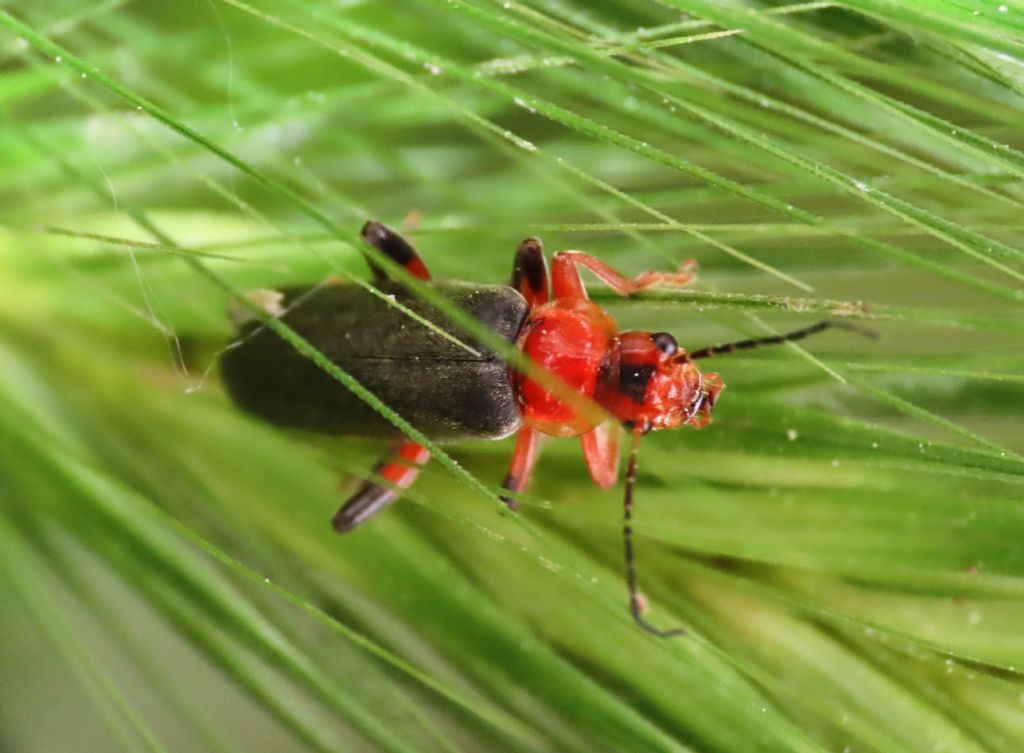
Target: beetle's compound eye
(664, 342)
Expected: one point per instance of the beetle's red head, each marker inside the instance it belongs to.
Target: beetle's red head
(658, 387)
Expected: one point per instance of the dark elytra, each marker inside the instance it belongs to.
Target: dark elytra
(440, 388)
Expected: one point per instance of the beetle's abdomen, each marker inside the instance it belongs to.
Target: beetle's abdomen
(574, 340)
(439, 387)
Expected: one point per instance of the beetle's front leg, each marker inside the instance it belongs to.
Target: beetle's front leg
(521, 468)
(601, 451)
(566, 282)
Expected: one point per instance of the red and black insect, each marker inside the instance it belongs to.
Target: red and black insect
(642, 380)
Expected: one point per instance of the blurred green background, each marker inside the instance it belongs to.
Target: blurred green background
(843, 543)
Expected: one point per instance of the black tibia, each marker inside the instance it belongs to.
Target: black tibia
(442, 389)
(530, 271)
(798, 334)
(387, 241)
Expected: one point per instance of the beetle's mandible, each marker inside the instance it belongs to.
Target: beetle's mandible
(642, 381)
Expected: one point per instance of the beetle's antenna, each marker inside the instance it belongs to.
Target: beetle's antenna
(797, 334)
(636, 599)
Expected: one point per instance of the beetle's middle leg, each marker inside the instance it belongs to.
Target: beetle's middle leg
(566, 282)
(399, 470)
(529, 277)
(523, 459)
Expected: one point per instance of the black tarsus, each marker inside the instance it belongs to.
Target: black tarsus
(798, 334)
(627, 538)
(512, 483)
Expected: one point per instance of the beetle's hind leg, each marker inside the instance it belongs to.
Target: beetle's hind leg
(395, 247)
(399, 470)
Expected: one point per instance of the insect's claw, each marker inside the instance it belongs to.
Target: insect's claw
(638, 607)
(670, 633)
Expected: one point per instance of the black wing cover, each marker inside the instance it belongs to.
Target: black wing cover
(439, 387)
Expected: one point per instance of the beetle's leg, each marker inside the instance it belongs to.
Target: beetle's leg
(566, 283)
(521, 468)
(399, 470)
(601, 451)
(529, 277)
(400, 251)
(530, 272)
(637, 602)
